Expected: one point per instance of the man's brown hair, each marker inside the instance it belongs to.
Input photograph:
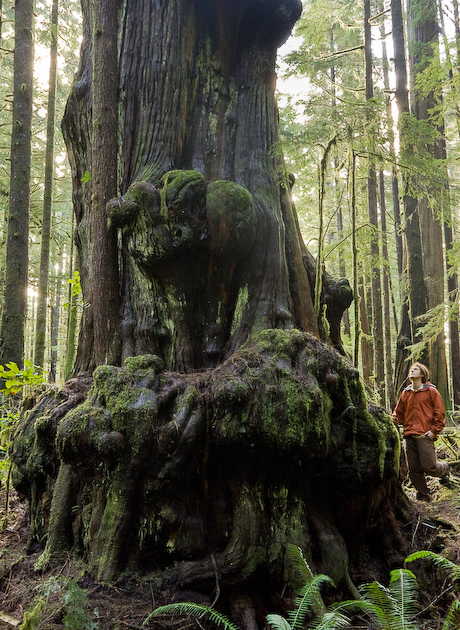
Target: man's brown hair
(423, 370)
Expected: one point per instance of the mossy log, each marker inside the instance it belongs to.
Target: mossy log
(189, 478)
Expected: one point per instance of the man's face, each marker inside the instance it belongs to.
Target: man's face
(415, 372)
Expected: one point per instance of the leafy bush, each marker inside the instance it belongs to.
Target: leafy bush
(13, 382)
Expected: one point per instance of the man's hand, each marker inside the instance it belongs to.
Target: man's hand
(430, 434)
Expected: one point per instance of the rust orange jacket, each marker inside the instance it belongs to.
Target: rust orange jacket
(420, 411)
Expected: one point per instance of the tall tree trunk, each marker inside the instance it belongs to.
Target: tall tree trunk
(17, 251)
(377, 320)
(104, 298)
(392, 151)
(414, 278)
(391, 399)
(40, 327)
(367, 360)
(338, 197)
(55, 320)
(457, 28)
(423, 28)
(72, 312)
(452, 277)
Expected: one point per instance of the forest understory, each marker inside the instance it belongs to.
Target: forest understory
(67, 597)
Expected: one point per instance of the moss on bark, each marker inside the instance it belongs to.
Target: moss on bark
(173, 474)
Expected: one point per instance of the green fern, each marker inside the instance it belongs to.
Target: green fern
(306, 600)
(331, 620)
(393, 607)
(452, 569)
(299, 574)
(452, 621)
(196, 611)
(296, 567)
(339, 614)
(278, 622)
(405, 590)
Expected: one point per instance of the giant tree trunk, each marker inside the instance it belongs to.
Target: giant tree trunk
(201, 178)
(261, 436)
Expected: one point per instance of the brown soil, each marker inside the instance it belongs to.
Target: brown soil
(434, 526)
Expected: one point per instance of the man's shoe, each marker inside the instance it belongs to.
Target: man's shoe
(423, 497)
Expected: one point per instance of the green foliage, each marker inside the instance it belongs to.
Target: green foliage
(75, 290)
(452, 569)
(391, 607)
(452, 621)
(197, 611)
(60, 597)
(15, 379)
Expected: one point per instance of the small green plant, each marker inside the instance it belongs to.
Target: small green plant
(60, 597)
(75, 290)
(13, 382)
(14, 379)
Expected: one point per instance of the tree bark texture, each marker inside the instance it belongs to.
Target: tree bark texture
(210, 246)
(14, 310)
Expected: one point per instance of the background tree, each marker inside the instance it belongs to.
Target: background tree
(40, 331)
(14, 309)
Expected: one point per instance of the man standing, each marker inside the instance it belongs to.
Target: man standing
(420, 410)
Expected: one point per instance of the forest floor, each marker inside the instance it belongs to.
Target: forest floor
(67, 598)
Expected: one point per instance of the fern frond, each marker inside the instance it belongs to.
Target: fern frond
(358, 606)
(307, 598)
(332, 620)
(197, 611)
(404, 588)
(299, 575)
(452, 621)
(452, 569)
(384, 604)
(278, 622)
(296, 566)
